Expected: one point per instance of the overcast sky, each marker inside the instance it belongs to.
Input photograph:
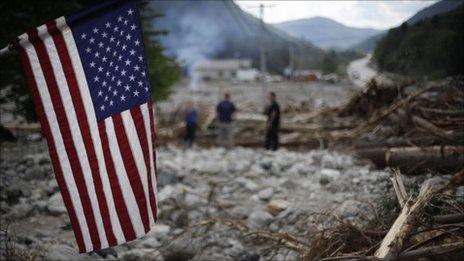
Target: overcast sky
(373, 14)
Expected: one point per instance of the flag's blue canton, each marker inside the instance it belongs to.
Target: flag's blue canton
(111, 49)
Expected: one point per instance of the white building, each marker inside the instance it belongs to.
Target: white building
(227, 69)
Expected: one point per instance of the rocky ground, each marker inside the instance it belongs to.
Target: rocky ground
(203, 194)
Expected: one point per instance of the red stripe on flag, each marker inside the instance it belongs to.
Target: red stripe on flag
(131, 169)
(53, 154)
(153, 140)
(66, 134)
(119, 202)
(142, 133)
(83, 126)
(153, 133)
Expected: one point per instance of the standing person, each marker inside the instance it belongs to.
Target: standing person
(273, 123)
(191, 120)
(224, 110)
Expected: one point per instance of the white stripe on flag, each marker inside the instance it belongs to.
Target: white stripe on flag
(75, 130)
(126, 189)
(93, 126)
(146, 120)
(58, 140)
(137, 151)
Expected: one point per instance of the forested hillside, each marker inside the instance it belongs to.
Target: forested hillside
(432, 47)
(444, 6)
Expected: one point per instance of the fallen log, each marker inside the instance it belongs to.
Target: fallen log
(411, 159)
(23, 128)
(305, 117)
(427, 125)
(442, 111)
(448, 219)
(311, 127)
(393, 242)
(432, 251)
(426, 140)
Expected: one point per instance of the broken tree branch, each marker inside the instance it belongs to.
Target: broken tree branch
(398, 185)
(402, 227)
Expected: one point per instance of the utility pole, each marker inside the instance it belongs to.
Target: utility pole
(262, 45)
(291, 61)
(263, 50)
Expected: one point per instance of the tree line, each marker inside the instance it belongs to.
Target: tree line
(432, 48)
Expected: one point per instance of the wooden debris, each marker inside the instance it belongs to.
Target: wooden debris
(432, 251)
(416, 158)
(431, 127)
(450, 218)
(398, 185)
(393, 242)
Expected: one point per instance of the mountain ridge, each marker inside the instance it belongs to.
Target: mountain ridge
(435, 9)
(325, 32)
(221, 29)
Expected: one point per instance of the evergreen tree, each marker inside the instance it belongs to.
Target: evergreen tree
(431, 48)
(329, 63)
(164, 71)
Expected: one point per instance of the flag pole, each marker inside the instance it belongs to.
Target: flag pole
(6, 49)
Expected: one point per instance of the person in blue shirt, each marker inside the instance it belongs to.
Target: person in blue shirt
(225, 109)
(191, 120)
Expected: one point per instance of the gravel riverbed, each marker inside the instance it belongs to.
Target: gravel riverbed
(272, 191)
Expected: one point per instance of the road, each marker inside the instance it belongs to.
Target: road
(360, 73)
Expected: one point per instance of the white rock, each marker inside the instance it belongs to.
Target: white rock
(348, 209)
(153, 255)
(137, 253)
(170, 191)
(64, 252)
(276, 206)
(266, 194)
(193, 201)
(330, 173)
(329, 161)
(159, 231)
(52, 186)
(259, 219)
(248, 184)
(56, 204)
(20, 211)
(150, 242)
(211, 167)
(299, 168)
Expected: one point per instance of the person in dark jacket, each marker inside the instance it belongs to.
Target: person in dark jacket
(273, 123)
(225, 109)
(191, 120)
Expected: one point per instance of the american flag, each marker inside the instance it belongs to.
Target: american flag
(88, 76)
